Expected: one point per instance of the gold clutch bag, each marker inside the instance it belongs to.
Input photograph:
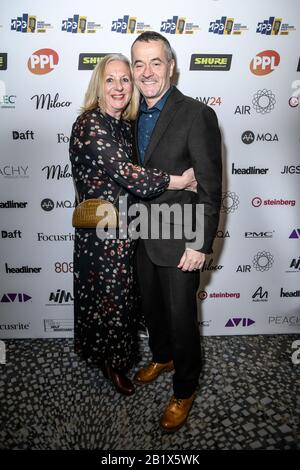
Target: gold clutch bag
(92, 213)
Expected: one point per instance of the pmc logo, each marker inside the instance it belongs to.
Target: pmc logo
(42, 61)
(264, 62)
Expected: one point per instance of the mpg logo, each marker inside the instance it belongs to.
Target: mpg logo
(42, 61)
(264, 62)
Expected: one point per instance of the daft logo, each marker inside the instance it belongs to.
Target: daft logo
(42, 61)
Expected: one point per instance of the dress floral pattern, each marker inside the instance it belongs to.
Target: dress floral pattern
(105, 300)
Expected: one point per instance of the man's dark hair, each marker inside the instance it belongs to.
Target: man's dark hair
(154, 36)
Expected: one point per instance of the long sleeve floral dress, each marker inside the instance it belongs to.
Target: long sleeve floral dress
(105, 313)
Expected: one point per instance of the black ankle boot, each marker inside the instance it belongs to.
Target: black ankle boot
(118, 378)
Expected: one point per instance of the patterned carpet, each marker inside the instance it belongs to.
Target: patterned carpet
(248, 398)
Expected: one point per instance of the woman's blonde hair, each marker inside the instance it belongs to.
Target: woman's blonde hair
(94, 95)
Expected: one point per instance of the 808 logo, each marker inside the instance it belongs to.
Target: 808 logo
(63, 267)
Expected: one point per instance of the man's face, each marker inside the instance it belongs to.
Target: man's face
(151, 70)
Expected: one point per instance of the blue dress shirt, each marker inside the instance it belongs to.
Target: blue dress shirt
(148, 117)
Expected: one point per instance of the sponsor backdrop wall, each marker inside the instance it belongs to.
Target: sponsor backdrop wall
(242, 60)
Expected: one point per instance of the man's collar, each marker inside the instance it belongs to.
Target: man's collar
(159, 105)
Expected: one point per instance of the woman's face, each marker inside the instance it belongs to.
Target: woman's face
(118, 88)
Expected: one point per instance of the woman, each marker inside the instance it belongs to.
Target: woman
(100, 154)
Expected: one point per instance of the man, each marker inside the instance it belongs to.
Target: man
(174, 132)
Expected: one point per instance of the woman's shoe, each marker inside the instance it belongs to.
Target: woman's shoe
(122, 383)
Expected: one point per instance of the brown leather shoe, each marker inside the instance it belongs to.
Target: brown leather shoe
(121, 383)
(151, 371)
(176, 413)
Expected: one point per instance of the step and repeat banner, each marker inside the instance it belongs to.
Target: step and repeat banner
(240, 58)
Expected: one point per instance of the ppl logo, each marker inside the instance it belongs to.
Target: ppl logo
(264, 62)
(42, 61)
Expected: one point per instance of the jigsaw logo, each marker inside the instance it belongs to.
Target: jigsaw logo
(274, 27)
(43, 61)
(79, 24)
(29, 24)
(226, 26)
(129, 25)
(264, 62)
(178, 25)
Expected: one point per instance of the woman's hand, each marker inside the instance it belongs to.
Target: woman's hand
(186, 181)
(190, 180)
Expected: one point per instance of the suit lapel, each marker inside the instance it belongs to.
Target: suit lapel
(167, 114)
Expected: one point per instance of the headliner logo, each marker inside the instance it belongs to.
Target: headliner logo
(264, 62)
(274, 26)
(89, 61)
(79, 24)
(178, 25)
(234, 322)
(10, 298)
(215, 62)
(263, 261)
(3, 61)
(230, 202)
(295, 293)
(226, 26)
(29, 24)
(13, 205)
(251, 170)
(43, 61)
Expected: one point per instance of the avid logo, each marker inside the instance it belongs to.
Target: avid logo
(226, 26)
(234, 322)
(264, 62)
(178, 25)
(45, 101)
(295, 234)
(10, 298)
(79, 24)
(42, 61)
(60, 297)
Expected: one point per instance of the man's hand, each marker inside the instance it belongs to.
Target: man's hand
(191, 260)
